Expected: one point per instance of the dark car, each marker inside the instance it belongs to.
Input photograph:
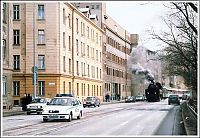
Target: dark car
(139, 98)
(91, 101)
(174, 99)
(129, 99)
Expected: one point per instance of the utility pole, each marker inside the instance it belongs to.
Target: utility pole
(34, 68)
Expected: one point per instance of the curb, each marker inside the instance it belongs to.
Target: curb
(13, 113)
(189, 120)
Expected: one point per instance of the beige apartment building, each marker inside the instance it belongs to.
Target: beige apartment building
(117, 43)
(64, 44)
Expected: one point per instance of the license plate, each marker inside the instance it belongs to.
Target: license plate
(53, 116)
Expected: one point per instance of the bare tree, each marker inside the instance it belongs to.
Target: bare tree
(180, 53)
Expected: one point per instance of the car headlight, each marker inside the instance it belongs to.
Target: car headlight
(28, 106)
(39, 106)
(92, 102)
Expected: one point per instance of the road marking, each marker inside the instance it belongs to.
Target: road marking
(124, 123)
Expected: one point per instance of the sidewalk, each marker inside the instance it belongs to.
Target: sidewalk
(18, 110)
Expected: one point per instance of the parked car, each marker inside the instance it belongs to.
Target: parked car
(63, 108)
(64, 94)
(37, 105)
(129, 99)
(139, 98)
(174, 99)
(91, 101)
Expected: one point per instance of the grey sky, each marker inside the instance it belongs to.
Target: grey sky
(139, 16)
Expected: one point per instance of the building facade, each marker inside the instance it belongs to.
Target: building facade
(64, 45)
(116, 51)
(6, 59)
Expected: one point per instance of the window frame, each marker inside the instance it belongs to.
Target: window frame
(41, 88)
(41, 62)
(16, 88)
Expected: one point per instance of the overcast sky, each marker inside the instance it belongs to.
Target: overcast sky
(137, 17)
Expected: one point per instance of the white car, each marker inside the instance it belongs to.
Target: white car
(37, 105)
(64, 108)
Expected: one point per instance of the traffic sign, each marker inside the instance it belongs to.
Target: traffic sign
(34, 69)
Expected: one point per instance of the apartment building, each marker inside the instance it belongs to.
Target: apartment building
(63, 43)
(6, 60)
(117, 43)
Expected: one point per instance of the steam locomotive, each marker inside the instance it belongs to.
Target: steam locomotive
(152, 93)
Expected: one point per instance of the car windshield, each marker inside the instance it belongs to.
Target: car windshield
(61, 101)
(39, 100)
(90, 98)
(173, 96)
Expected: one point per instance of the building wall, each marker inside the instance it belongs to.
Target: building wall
(58, 76)
(6, 81)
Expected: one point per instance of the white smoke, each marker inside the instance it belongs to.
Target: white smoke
(137, 63)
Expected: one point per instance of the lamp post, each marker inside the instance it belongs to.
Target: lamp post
(34, 68)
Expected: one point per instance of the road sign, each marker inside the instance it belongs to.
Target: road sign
(34, 69)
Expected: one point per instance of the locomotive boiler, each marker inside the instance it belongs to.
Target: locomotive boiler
(152, 93)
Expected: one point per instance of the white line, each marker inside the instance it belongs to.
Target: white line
(124, 123)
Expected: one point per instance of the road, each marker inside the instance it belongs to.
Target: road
(122, 119)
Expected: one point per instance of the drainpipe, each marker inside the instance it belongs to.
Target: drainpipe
(73, 91)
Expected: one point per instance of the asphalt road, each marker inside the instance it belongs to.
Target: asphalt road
(122, 119)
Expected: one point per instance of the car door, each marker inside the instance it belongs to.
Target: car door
(76, 107)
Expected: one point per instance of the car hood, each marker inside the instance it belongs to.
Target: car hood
(36, 104)
(57, 107)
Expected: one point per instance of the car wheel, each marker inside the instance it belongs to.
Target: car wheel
(70, 118)
(38, 113)
(80, 115)
(28, 113)
(98, 105)
(169, 103)
(45, 120)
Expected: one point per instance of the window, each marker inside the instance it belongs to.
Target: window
(88, 33)
(41, 12)
(77, 88)
(69, 17)
(41, 37)
(97, 55)
(77, 25)
(4, 49)
(100, 56)
(97, 73)
(64, 69)
(70, 66)
(41, 62)
(77, 51)
(70, 87)
(16, 37)
(4, 12)
(41, 88)
(97, 38)
(16, 88)
(16, 60)
(4, 78)
(63, 39)
(63, 86)
(88, 89)
(84, 69)
(100, 73)
(77, 68)
(64, 16)
(88, 68)
(16, 12)
(88, 51)
(69, 43)
(97, 6)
